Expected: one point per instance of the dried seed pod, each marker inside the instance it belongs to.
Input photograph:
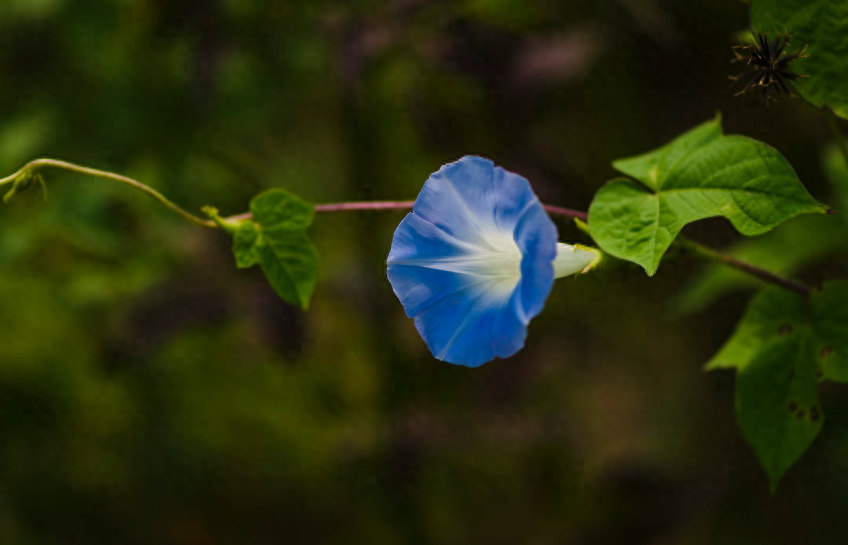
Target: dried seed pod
(770, 67)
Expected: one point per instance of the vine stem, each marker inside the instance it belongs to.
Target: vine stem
(406, 205)
(55, 163)
(837, 134)
(730, 261)
(376, 205)
(200, 222)
(693, 247)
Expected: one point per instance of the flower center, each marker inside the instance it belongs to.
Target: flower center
(502, 259)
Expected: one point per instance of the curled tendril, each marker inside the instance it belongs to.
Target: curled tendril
(24, 181)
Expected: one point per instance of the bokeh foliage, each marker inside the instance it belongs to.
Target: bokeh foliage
(152, 393)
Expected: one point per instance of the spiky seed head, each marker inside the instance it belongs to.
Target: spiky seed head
(769, 65)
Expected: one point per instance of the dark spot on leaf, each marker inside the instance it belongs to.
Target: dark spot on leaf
(831, 211)
(819, 374)
(785, 329)
(793, 406)
(814, 414)
(802, 413)
(826, 351)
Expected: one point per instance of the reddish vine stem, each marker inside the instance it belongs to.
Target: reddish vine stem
(376, 205)
(567, 212)
(233, 221)
(403, 205)
(693, 247)
(406, 205)
(761, 274)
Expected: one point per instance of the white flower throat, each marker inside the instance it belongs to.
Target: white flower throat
(500, 261)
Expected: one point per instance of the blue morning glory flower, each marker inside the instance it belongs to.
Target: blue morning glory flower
(475, 260)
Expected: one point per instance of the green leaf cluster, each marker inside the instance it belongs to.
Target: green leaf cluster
(701, 174)
(822, 27)
(785, 345)
(275, 238)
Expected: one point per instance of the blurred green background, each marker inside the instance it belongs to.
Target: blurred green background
(150, 392)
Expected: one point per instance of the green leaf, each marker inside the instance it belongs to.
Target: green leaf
(783, 251)
(275, 239)
(246, 243)
(822, 26)
(775, 313)
(290, 262)
(653, 167)
(777, 404)
(280, 209)
(782, 347)
(772, 314)
(829, 317)
(699, 175)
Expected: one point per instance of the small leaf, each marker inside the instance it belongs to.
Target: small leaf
(278, 208)
(772, 314)
(246, 242)
(782, 348)
(699, 175)
(275, 238)
(821, 26)
(290, 262)
(653, 167)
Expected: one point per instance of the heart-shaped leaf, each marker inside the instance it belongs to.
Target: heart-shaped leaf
(290, 262)
(275, 238)
(783, 251)
(782, 348)
(699, 175)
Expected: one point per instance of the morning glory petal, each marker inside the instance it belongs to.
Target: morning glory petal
(536, 236)
(473, 262)
(458, 199)
(473, 326)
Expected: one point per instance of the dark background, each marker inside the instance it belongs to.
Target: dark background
(150, 392)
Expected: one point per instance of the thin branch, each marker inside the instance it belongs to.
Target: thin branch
(376, 205)
(321, 208)
(567, 212)
(693, 247)
(406, 205)
(747, 268)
